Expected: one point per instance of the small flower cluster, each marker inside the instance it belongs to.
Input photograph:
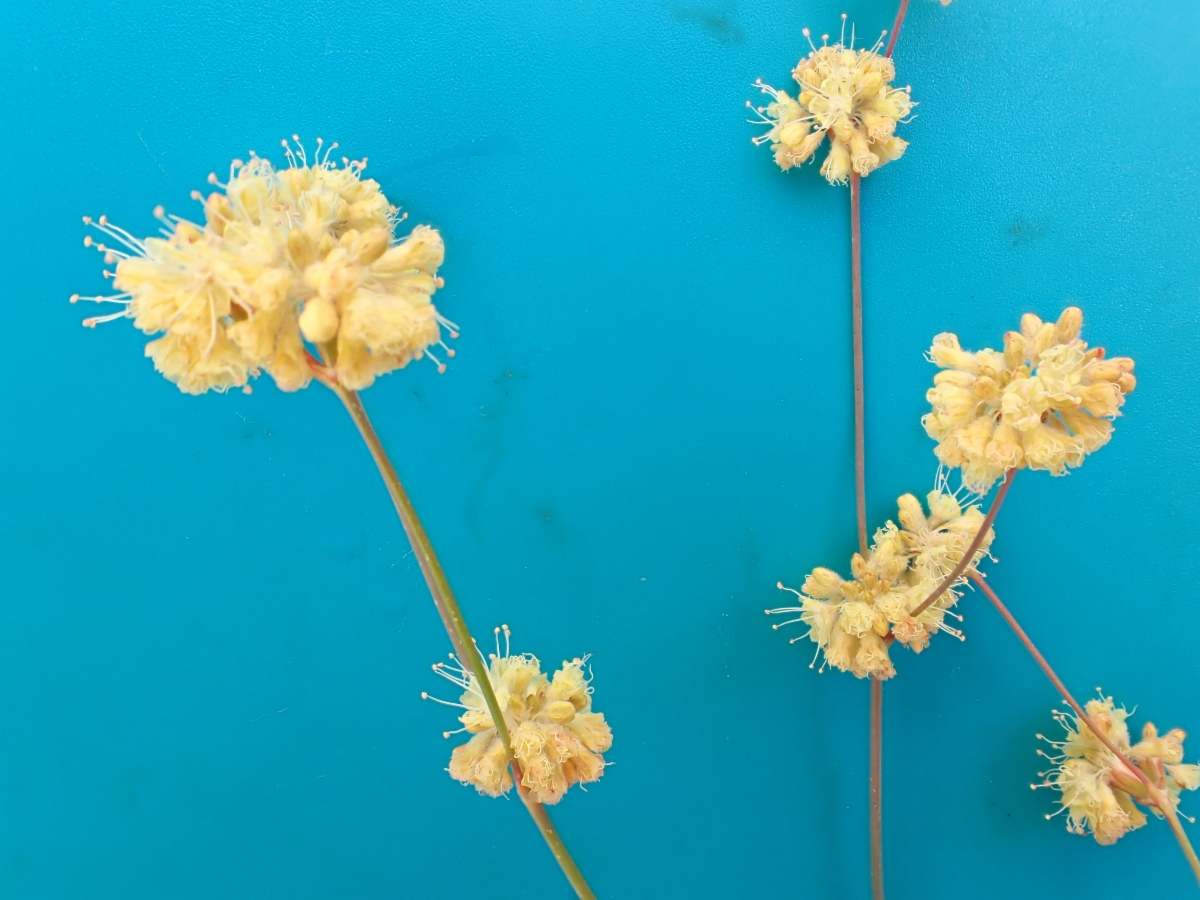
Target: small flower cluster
(1098, 789)
(1044, 403)
(307, 252)
(556, 738)
(850, 621)
(845, 94)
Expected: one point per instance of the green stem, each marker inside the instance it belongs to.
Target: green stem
(1181, 836)
(557, 847)
(456, 627)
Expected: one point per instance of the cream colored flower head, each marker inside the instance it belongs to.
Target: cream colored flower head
(1098, 790)
(937, 541)
(309, 252)
(1045, 402)
(846, 94)
(556, 738)
(854, 621)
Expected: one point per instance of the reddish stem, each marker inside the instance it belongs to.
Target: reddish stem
(1054, 679)
(1157, 797)
(965, 562)
(896, 27)
(856, 312)
(876, 789)
(327, 375)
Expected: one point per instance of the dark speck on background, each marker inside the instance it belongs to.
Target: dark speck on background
(1022, 232)
(719, 25)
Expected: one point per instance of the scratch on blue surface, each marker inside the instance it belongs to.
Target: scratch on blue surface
(152, 156)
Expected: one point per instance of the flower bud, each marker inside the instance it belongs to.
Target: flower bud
(319, 320)
(1043, 339)
(911, 515)
(1016, 349)
(1069, 324)
(1030, 325)
(560, 711)
(947, 354)
(823, 583)
(422, 250)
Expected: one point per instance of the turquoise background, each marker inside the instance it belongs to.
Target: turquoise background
(212, 635)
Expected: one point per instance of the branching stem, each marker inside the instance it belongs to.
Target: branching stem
(452, 619)
(972, 548)
(875, 788)
(1160, 800)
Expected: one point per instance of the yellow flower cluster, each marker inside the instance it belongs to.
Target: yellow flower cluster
(307, 252)
(850, 621)
(845, 94)
(1098, 790)
(556, 738)
(1044, 403)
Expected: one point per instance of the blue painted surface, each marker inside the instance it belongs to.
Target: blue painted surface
(212, 638)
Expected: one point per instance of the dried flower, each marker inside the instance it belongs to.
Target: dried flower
(1098, 789)
(556, 738)
(852, 621)
(1044, 403)
(307, 252)
(846, 94)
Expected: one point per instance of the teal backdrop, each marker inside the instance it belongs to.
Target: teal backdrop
(213, 636)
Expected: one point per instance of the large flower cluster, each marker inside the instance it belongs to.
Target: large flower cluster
(1098, 789)
(556, 738)
(307, 252)
(1044, 403)
(845, 94)
(850, 620)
